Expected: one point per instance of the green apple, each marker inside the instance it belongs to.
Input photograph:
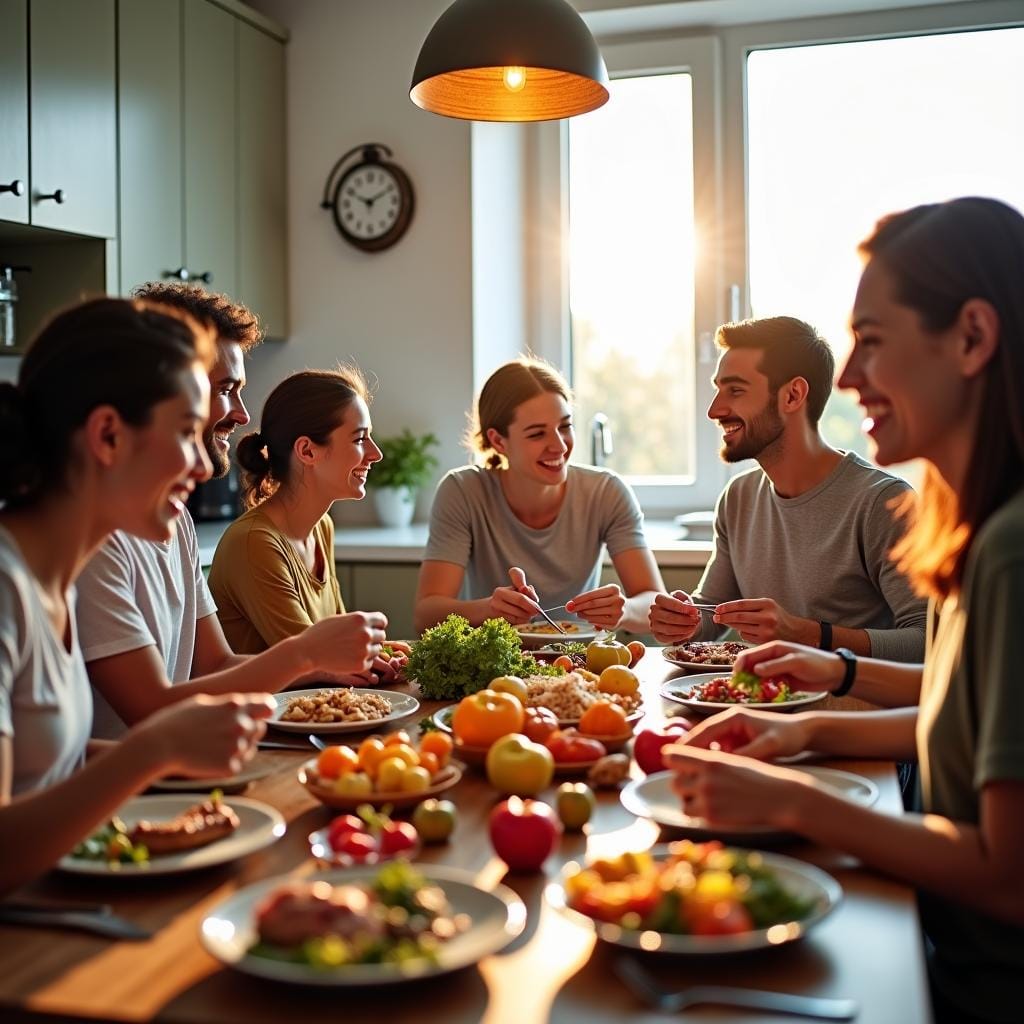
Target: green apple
(434, 820)
(575, 804)
(516, 765)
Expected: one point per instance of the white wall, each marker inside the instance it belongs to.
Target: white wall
(405, 314)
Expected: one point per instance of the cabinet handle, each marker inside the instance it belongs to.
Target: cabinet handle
(58, 196)
(17, 187)
(206, 277)
(181, 273)
(184, 274)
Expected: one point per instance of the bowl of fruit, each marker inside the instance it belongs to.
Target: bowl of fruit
(367, 837)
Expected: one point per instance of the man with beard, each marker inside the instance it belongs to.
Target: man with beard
(802, 542)
(147, 623)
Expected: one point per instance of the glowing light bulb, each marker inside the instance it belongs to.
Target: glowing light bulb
(514, 78)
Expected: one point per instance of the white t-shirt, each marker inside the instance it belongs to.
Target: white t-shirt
(139, 593)
(45, 701)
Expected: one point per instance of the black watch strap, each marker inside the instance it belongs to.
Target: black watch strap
(849, 672)
(825, 643)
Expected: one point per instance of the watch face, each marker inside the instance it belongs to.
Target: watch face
(369, 202)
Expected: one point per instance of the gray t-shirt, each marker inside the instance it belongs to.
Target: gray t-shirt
(139, 593)
(45, 701)
(472, 525)
(970, 733)
(822, 555)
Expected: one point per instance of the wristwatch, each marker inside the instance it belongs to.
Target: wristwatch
(849, 672)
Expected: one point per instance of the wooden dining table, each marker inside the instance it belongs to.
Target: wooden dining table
(868, 949)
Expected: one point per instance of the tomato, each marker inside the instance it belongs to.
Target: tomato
(485, 716)
(721, 917)
(439, 744)
(539, 723)
(563, 661)
(567, 746)
(518, 765)
(604, 719)
(342, 826)
(636, 650)
(575, 804)
(398, 837)
(618, 679)
(434, 820)
(509, 684)
(429, 761)
(401, 736)
(356, 844)
(602, 653)
(335, 761)
(405, 751)
(371, 753)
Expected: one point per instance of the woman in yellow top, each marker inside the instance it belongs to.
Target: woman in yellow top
(273, 573)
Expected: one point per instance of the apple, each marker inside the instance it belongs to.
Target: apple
(434, 820)
(602, 653)
(575, 803)
(648, 743)
(517, 765)
(509, 684)
(524, 833)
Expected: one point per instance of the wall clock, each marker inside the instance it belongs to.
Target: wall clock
(371, 198)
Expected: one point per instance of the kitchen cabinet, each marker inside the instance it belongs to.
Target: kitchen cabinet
(387, 588)
(73, 122)
(14, 111)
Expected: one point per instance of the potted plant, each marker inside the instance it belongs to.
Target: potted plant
(405, 468)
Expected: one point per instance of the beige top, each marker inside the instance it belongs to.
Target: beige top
(263, 590)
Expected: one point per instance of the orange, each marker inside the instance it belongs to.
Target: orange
(439, 744)
(401, 736)
(336, 761)
(430, 762)
(604, 718)
(371, 752)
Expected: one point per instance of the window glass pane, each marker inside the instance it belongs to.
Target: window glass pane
(841, 134)
(631, 274)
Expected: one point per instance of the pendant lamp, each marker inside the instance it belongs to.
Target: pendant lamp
(509, 60)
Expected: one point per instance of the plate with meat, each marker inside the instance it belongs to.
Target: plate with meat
(342, 709)
(711, 692)
(702, 655)
(168, 834)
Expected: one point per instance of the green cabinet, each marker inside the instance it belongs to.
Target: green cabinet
(73, 123)
(14, 177)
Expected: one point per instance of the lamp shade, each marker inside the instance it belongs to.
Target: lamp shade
(509, 60)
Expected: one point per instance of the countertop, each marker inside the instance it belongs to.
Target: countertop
(407, 544)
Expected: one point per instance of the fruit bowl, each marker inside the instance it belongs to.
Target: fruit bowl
(613, 744)
(324, 791)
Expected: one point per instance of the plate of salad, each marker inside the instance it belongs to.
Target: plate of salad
(711, 692)
(696, 898)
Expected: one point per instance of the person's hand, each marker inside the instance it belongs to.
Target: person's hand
(673, 618)
(601, 607)
(208, 736)
(761, 619)
(802, 668)
(760, 734)
(517, 603)
(728, 789)
(342, 644)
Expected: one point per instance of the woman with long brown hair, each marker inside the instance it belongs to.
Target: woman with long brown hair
(938, 364)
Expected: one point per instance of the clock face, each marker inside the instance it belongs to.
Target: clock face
(371, 203)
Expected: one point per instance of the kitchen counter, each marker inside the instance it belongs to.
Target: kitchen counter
(407, 544)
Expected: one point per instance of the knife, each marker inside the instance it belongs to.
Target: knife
(105, 924)
(550, 620)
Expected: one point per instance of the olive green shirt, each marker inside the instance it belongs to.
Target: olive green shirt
(263, 590)
(970, 733)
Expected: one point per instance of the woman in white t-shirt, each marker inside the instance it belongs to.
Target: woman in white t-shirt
(526, 529)
(101, 432)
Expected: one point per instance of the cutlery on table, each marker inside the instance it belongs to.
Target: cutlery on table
(277, 745)
(97, 919)
(642, 984)
(550, 620)
(317, 742)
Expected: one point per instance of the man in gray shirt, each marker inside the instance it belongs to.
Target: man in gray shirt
(801, 542)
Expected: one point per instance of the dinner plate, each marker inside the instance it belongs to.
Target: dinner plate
(539, 632)
(802, 880)
(679, 690)
(654, 798)
(259, 768)
(444, 779)
(442, 718)
(496, 916)
(680, 654)
(259, 826)
(402, 706)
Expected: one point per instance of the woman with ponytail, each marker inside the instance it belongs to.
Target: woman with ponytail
(101, 432)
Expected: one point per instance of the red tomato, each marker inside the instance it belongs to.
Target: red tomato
(397, 836)
(539, 724)
(568, 746)
(342, 826)
(723, 917)
(357, 845)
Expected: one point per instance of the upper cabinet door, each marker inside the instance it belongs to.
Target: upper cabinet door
(149, 116)
(14, 110)
(74, 116)
(262, 235)
(210, 151)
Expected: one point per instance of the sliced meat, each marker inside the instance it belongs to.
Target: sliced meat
(304, 910)
(199, 825)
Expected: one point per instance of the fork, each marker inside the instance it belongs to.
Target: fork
(642, 984)
(97, 919)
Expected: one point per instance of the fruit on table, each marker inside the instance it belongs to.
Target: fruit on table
(389, 774)
(485, 716)
(609, 771)
(434, 820)
(371, 752)
(335, 761)
(636, 649)
(575, 804)
(602, 653)
(353, 784)
(648, 743)
(618, 679)
(415, 780)
(603, 718)
(509, 684)
(524, 833)
(397, 836)
(567, 746)
(439, 744)
(539, 723)
(517, 765)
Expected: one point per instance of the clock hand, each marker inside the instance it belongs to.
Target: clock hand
(383, 192)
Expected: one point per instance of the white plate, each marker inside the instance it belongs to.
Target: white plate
(402, 706)
(498, 917)
(677, 656)
(442, 718)
(654, 798)
(538, 632)
(260, 826)
(679, 690)
(802, 880)
(258, 769)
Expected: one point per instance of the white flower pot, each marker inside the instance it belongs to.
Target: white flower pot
(395, 505)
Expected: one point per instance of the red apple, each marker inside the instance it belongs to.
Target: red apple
(648, 743)
(524, 833)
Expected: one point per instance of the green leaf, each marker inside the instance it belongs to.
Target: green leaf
(407, 461)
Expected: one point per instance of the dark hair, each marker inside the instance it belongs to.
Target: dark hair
(104, 352)
(503, 392)
(230, 321)
(791, 349)
(938, 257)
(310, 403)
